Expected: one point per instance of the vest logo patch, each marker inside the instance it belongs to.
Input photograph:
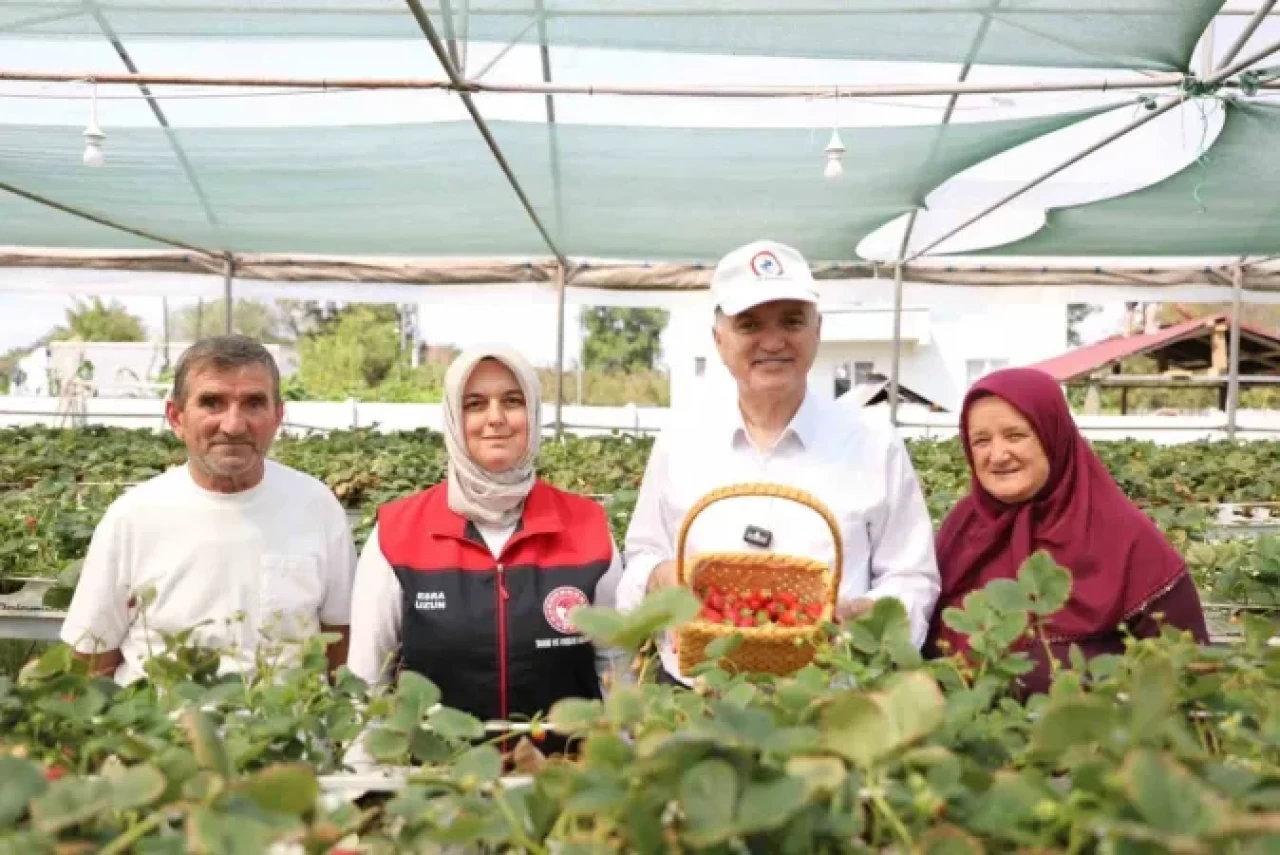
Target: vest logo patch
(429, 601)
(557, 606)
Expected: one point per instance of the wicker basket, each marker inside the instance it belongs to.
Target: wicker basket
(770, 649)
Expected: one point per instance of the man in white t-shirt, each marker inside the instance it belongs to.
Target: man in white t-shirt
(254, 554)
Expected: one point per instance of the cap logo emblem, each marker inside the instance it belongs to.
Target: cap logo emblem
(766, 265)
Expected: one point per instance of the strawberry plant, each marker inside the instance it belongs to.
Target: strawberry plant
(1168, 747)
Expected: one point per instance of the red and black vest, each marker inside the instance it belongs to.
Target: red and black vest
(493, 633)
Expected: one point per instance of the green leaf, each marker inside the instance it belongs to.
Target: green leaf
(387, 745)
(417, 692)
(1153, 694)
(1048, 584)
(1072, 721)
(138, 787)
(1167, 796)
(770, 805)
(428, 748)
(289, 788)
(20, 782)
(820, 775)
(576, 714)
(597, 793)
(607, 752)
(724, 646)
(740, 695)
(709, 796)
(867, 727)
(600, 624)
(1008, 595)
(205, 742)
(70, 802)
(854, 726)
(456, 725)
(661, 610)
(961, 621)
(480, 765)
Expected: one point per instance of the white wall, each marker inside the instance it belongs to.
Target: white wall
(934, 354)
(302, 416)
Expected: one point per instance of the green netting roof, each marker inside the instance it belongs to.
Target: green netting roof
(1227, 203)
(1156, 34)
(434, 189)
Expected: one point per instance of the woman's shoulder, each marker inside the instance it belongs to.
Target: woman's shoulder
(572, 507)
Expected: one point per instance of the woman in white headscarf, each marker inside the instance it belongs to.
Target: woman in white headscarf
(472, 582)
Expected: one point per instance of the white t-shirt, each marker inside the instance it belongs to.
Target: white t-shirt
(261, 569)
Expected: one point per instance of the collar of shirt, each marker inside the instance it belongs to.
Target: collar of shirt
(802, 429)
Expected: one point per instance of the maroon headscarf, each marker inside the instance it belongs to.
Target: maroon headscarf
(1119, 560)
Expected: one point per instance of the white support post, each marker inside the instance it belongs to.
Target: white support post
(560, 299)
(227, 294)
(1233, 378)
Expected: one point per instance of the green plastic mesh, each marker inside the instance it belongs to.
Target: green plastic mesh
(1157, 34)
(434, 189)
(1226, 203)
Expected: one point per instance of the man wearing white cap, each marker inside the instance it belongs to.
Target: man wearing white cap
(766, 331)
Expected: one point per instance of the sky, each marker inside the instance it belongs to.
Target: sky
(1146, 156)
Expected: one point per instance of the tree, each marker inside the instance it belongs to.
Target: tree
(248, 317)
(351, 354)
(93, 320)
(622, 340)
(1076, 314)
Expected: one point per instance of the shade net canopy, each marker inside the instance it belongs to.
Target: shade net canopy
(435, 190)
(1148, 34)
(1227, 202)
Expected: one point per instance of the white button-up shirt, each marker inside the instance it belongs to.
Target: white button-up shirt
(858, 468)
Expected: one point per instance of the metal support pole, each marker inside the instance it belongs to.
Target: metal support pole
(1233, 378)
(1259, 15)
(895, 366)
(560, 295)
(455, 77)
(226, 294)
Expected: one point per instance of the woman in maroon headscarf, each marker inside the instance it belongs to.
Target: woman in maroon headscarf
(1036, 484)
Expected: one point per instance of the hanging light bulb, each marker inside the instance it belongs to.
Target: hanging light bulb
(93, 135)
(835, 154)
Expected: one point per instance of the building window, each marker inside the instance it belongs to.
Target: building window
(976, 369)
(699, 366)
(850, 374)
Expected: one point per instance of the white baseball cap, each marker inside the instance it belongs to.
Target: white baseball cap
(761, 272)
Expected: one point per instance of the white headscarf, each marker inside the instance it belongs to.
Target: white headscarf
(496, 498)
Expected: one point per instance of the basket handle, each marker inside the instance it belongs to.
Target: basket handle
(776, 491)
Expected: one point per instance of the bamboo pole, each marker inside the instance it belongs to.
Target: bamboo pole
(227, 286)
(560, 301)
(1088, 84)
(1233, 384)
(1259, 15)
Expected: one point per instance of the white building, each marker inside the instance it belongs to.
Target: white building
(944, 349)
(111, 369)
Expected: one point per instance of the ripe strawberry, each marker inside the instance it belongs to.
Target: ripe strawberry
(787, 619)
(776, 609)
(788, 599)
(745, 622)
(813, 610)
(711, 614)
(54, 773)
